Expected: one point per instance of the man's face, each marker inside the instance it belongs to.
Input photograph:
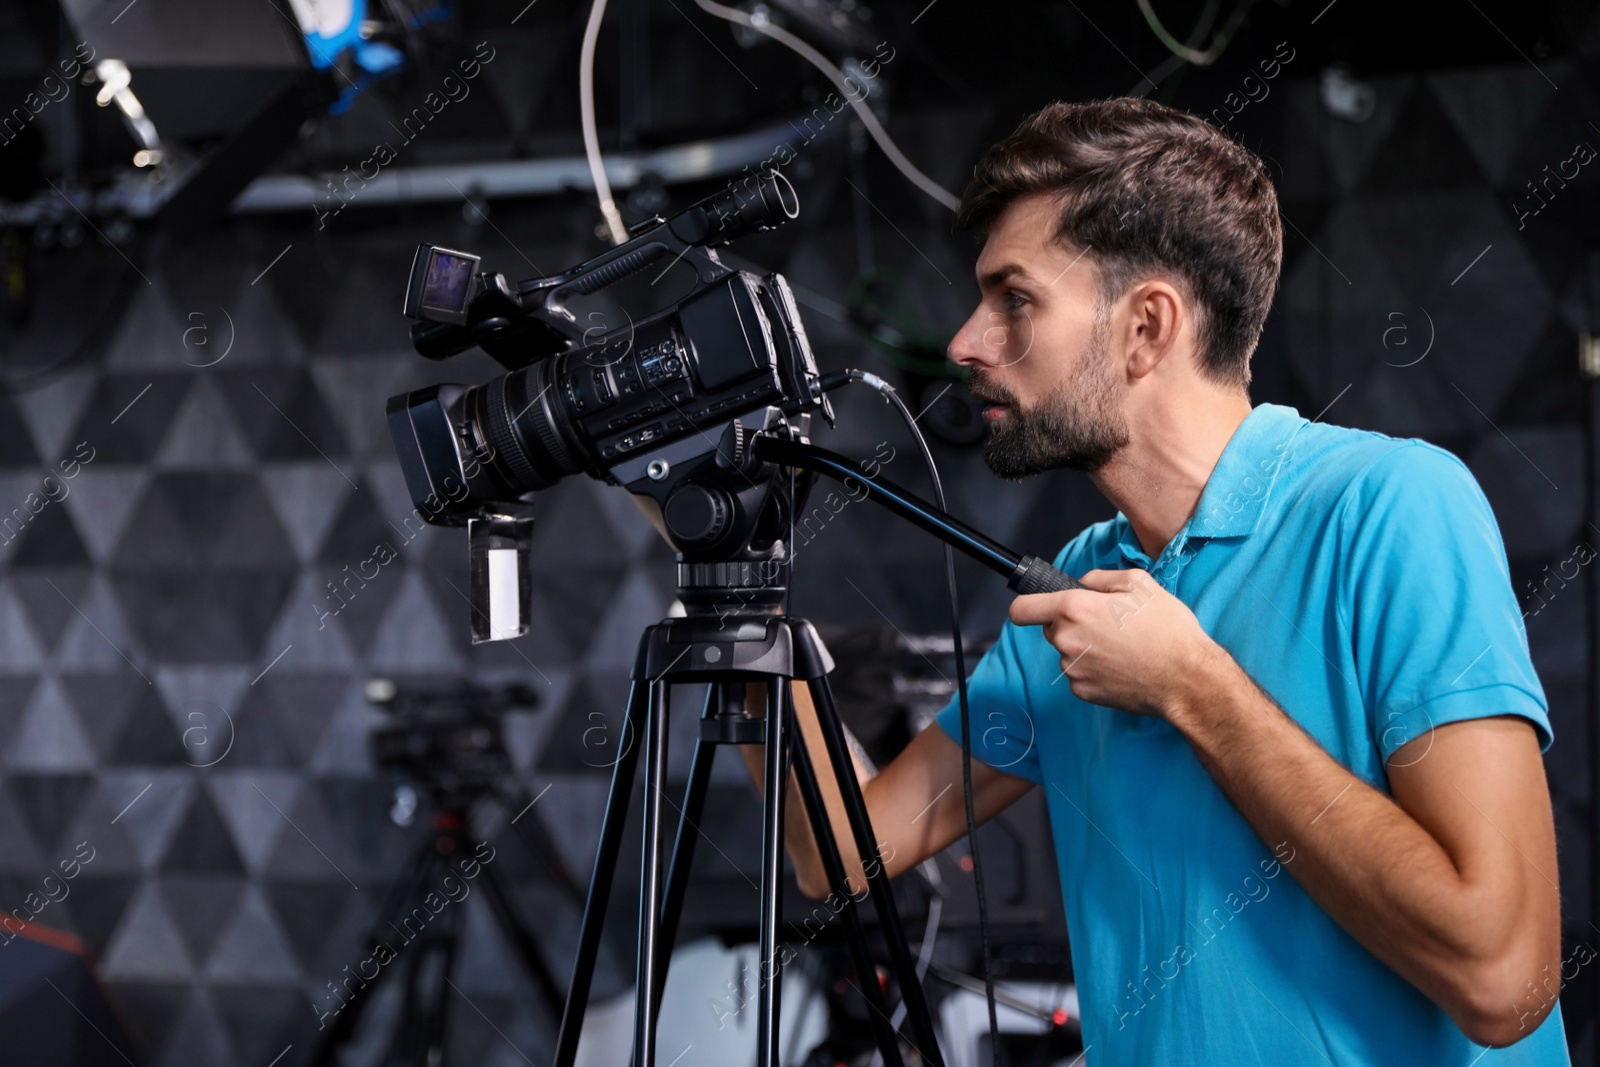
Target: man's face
(1037, 353)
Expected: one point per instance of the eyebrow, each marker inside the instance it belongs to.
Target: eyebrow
(1001, 274)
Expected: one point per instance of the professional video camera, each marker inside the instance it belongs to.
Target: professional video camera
(734, 345)
(449, 739)
(654, 405)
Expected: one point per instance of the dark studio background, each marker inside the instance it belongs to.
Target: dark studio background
(179, 576)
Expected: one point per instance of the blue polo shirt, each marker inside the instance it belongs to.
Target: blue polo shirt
(1362, 581)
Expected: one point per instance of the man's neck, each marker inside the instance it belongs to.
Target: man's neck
(1156, 481)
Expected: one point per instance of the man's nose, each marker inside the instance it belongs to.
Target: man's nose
(971, 344)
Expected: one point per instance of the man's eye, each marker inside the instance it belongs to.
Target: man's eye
(1014, 300)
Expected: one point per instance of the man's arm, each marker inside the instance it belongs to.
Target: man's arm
(915, 804)
(1451, 882)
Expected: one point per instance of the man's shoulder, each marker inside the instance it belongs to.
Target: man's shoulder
(1342, 462)
(1372, 494)
(1326, 468)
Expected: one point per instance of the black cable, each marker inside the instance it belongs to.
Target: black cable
(788, 549)
(832, 381)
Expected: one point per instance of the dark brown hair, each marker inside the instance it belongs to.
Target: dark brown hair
(1149, 191)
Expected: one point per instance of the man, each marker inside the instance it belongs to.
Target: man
(1298, 651)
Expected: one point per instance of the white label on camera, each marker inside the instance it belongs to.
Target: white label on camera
(505, 600)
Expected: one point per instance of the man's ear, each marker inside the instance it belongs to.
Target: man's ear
(1157, 313)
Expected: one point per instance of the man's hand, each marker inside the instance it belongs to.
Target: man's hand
(1125, 642)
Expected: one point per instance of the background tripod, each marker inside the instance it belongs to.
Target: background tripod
(452, 742)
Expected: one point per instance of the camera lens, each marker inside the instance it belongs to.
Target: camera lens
(522, 420)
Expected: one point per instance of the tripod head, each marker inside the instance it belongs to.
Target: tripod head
(729, 508)
(725, 512)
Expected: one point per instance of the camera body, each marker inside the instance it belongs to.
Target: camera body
(449, 739)
(731, 348)
(665, 407)
(612, 404)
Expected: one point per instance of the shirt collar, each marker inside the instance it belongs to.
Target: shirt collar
(1240, 484)
(1236, 494)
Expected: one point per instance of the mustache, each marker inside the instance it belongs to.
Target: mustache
(982, 388)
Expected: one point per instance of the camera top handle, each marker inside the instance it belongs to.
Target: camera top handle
(521, 325)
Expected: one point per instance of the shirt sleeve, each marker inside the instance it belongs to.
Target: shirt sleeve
(1426, 595)
(997, 701)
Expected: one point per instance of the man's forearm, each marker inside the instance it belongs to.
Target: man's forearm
(798, 836)
(1376, 870)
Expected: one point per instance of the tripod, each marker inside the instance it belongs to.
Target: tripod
(727, 651)
(728, 513)
(405, 916)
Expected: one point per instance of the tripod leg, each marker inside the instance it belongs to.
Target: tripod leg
(905, 966)
(408, 1042)
(655, 774)
(605, 867)
(408, 887)
(694, 799)
(407, 1034)
(437, 1013)
(777, 774)
(505, 911)
(855, 934)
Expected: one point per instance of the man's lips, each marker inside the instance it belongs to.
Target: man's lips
(993, 408)
(996, 403)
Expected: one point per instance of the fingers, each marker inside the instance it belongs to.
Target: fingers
(1037, 609)
(1108, 581)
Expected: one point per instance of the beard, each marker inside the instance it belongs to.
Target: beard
(1076, 427)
